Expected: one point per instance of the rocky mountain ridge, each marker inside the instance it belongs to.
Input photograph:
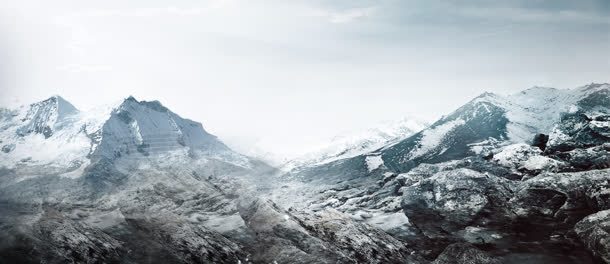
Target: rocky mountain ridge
(503, 179)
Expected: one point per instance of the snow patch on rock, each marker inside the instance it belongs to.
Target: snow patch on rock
(432, 138)
(373, 162)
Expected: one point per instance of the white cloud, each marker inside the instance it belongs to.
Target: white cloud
(344, 16)
(289, 73)
(517, 14)
(350, 15)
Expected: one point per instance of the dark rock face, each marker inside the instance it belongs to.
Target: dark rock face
(478, 121)
(580, 130)
(540, 141)
(450, 201)
(594, 232)
(464, 253)
(562, 198)
(102, 176)
(498, 215)
(597, 99)
(593, 158)
(186, 242)
(62, 239)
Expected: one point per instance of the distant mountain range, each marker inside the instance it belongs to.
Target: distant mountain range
(522, 178)
(483, 124)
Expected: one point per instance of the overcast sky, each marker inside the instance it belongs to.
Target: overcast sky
(283, 75)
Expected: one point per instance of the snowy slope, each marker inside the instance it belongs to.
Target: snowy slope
(492, 120)
(54, 133)
(538, 109)
(357, 143)
(485, 123)
(33, 134)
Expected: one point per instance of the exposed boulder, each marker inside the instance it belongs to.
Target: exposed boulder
(464, 253)
(593, 158)
(525, 158)
(514, 155)
(540, 141)
(561, 199)
(594, 232)
(451, 200)
(580, 130)
(8, 148)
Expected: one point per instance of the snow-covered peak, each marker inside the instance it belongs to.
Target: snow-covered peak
(492, 120)
(149, 127)
(53, 132)
(531, 111)
(594, 87)
(63, 107)
(44, 117)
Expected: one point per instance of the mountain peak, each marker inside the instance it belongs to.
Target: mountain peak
(45, 116)
(131, 99)
(153, 105)
(539, 89)
(595, 86)
(58, 103)
(486, 96)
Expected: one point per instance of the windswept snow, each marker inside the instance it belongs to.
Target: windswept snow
(432, 138)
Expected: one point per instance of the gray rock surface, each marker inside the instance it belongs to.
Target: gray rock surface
(449, 201)
(463, 253)
(594, 232)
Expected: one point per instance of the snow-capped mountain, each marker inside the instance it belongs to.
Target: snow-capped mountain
(491, 120)
(485, 123)
(357, 143)
(502, 179)
(130, 129)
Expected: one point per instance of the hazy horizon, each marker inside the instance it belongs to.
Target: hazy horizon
(284, 76)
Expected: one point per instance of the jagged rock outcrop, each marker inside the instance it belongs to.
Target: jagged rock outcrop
(450, 201)
(594, 232)
(551, 200)
(323, 237)
(59, 239)
(463, 253)
(185, 241)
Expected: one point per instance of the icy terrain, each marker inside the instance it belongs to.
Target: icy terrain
(522, 178)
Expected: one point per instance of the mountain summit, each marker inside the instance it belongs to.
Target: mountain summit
(32, 134)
